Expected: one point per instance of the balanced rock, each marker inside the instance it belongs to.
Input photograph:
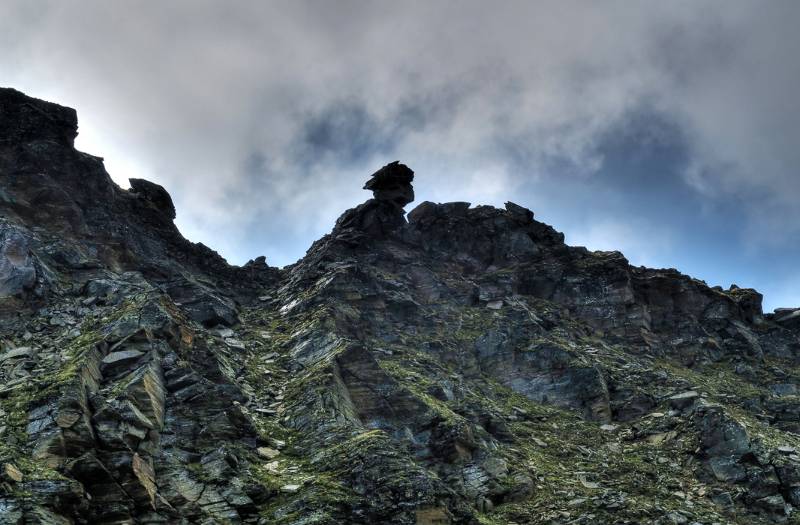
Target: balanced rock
(382, 215)
(392, 183)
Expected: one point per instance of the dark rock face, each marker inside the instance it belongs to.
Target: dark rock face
(463, 366)
(392, 183)
(154, 194)
(26, 119)
(788, 318)
(17, 272)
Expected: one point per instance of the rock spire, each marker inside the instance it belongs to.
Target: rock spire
(392, 183)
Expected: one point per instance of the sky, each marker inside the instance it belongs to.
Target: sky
(667, 130)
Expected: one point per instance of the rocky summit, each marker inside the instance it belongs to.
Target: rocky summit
(458, 365)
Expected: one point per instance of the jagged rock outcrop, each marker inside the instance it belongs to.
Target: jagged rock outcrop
(458, 365)
(392, 183)
(155, 195)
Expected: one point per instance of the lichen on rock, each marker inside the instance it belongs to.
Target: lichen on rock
(458, 365)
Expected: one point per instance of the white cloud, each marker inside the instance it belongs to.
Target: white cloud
(478, 97)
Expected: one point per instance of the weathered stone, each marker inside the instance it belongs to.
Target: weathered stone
(12, 472)
(266, 452)
(202, 304)
(727, 469)
(67, 418)
(773, 505)
(426, 371)
(25, 118)
(683, 400)
(392, 183)
(143, 469)
(22, 351)
(721, 435)
(11, 511)
(788, 317)
(784, 389)
(433, 516)
(122, 360)
(154, 194)
(188, 488)
(724, 500)
(17, 271)
(235, 344)
(518, 212)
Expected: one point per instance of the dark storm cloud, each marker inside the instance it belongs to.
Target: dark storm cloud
(670, 130)
(346, 132)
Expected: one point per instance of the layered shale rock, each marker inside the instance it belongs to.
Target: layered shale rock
(455, 365)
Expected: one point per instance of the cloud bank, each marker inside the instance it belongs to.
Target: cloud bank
(669, 130)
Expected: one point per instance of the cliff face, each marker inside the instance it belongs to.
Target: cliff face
(456, 365)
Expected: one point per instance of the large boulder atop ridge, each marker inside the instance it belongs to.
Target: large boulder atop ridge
(392, 183)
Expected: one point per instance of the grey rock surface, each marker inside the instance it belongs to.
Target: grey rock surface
(455, 365)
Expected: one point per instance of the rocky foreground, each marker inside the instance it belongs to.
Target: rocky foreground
(460, 365)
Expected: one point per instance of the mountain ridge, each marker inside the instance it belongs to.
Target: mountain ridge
(456, 364)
